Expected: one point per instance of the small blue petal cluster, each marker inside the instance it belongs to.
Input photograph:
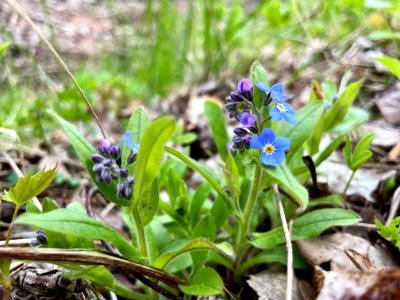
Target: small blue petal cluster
(107, 169)
(240, 106)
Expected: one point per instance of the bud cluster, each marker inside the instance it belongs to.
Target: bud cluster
(238, 106)
(107, 169)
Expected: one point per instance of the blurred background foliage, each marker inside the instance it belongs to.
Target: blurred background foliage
(154, 49)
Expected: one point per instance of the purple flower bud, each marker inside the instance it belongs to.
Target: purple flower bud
(240, 131)
(229, 147)
(97, 158)
(123, 172)
(128, 191)
(104, 145)
(253, 129)
(115, 152)
(131, 180)
(246, 140)
(106, 175)
(248, 119)
(107, 162)
(245, 86)
(131, 157)
(121, 186)
(97, 168)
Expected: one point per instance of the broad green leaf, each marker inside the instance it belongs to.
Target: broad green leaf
(332, 200)
(30, 186)
(199, 168)
(84, 151)
(257, 74)
(392, 64)
(216, 119)
(334, 115)
(195, 244)
(205, 282)
(306, 227)
(347, 152)
(3, 48)
(137, 124)
(102, 278)
(49, 204)
(360, 159)
(329, 89)
(307, 118)
(204, 228)
(220, 211)
(197, 201)
(232, 178)
(284, 177)
(149, 157)
(277, 254)
(329, 150)
(149, 203)
(72, 220)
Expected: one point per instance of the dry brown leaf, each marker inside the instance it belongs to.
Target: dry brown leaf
(354, 285)
(345, 251)
(389, 105)
(271, 285)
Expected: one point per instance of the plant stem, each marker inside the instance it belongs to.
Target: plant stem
(244, 226)
(9, 230)
(286, 233)
(348, 184)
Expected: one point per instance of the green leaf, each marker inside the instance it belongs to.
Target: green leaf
(197, 201)
(332, 200)
(72, 220)
(199, 168)
(282, 175)
(307, 226)
(257, 74)
(205, 282)
(149, 203)
(307, 118)
(347, 152)
(329, 150)
(149, 157)
(137, 124)
(390, 232)
(204, 228)
(84, 151)
(30, 186)
(334, 115)
(392, 64)
(220, 211)
(195, 244)
(232, 178)
(277, 254)
(3, 48)
(216, 119)
(49, 204)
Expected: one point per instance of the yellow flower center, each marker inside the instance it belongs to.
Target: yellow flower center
(268, 148)
(281, 108)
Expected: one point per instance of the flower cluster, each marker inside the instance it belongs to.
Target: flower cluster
(107, 169)
(240, 106)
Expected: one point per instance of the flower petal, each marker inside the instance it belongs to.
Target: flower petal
(267, 136)
(289, 108)
(277, 90)
(256, 142)
(281, 144)
(275, 114)
(289, 118)
(279, 157)
(128, 140)
(288, 96)
(263, 86)
(268, 159)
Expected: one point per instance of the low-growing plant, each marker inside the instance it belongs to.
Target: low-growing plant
(236, 218)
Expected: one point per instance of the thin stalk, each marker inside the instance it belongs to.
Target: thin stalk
(25, 16)
(244, 228)
(286, 232)
(348, 184)
(9, 230)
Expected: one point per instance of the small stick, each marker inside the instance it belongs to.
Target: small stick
(286, 233)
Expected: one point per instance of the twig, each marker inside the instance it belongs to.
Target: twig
(25, 16)
(394, 206)
(286, 233)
